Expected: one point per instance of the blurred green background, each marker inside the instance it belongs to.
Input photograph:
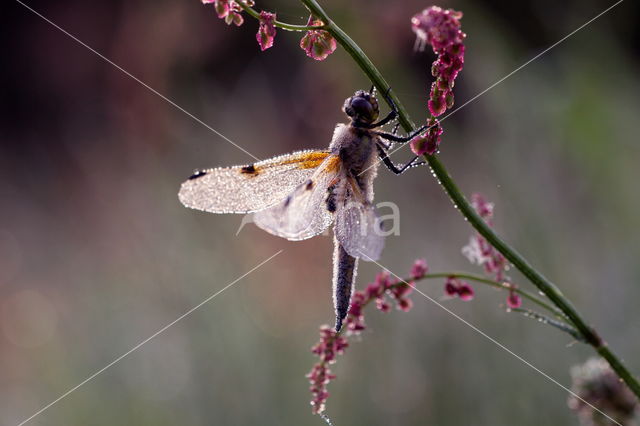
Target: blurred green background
(97, 254)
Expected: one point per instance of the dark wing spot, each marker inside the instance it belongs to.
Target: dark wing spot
(309, 186)
(287, 201)
(197, 174)
(331, 199)
(249, 170)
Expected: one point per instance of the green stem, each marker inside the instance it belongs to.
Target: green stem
(289, 27)
(477, 278)
(459, 200)
(563, 326)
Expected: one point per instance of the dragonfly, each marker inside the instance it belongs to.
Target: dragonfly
(300, 195)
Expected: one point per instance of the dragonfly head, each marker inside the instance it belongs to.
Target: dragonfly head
(362, 107)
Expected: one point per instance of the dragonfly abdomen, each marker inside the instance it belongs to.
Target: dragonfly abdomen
(344, 275)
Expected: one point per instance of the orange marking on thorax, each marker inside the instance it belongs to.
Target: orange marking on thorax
(333, 164)
(310, 160)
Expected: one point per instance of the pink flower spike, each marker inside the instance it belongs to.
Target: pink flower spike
(318, 44)
(266, 30)
(419, 269)
(465, 292)
(441, 29)
(514, 300)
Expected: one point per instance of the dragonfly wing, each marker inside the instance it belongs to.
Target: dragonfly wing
(358, 227)
(303, 213)
(245, 189)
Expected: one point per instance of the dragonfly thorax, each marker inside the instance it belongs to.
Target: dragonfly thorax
(356, 148)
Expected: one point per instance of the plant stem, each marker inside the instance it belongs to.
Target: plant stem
(502, 286)
(459, 200)
(550, 321)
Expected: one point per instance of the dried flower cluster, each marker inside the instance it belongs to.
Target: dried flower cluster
(228, 10)
(441, 29)
(595, 382)
(383, 290)
(480, 252)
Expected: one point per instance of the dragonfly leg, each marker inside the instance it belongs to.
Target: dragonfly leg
(397, 169)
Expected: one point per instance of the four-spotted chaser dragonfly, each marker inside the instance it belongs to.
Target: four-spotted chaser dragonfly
(297, 196)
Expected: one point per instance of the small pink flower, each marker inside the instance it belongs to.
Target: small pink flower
(402, 290)
(437, 104)
(454, 287)
(228, 10)
(450, 287)
(234, 16)
(419, 269)
(266, 30)
(482, 206)
(514, 300)
(465, 292)
(372, 291)
(355, 317)
(318, 44)
(222, 8)
(330, 344)
(383, 305)
(404, 304)
(429, 141)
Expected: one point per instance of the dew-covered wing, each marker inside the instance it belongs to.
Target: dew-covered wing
(250, 188)
(304, 213)
(358, 227)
